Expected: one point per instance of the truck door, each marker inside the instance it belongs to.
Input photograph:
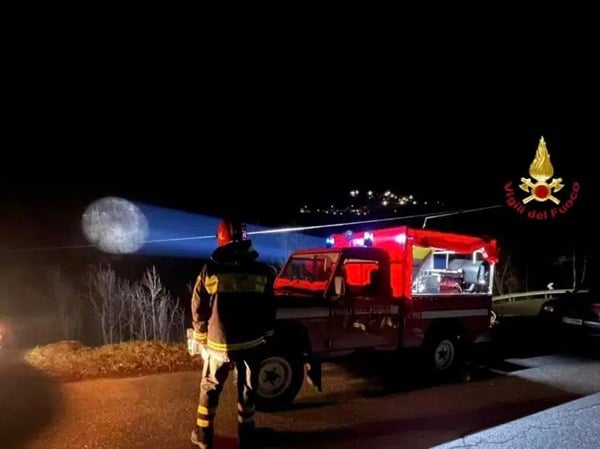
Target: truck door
(365, 315)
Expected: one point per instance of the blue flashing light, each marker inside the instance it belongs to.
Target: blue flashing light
(330, 242)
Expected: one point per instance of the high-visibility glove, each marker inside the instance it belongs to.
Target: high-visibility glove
(196, 342)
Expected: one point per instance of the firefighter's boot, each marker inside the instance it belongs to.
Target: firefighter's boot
(201, 439)
(247, 436)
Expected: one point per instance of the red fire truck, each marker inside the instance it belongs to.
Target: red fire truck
(390, 289)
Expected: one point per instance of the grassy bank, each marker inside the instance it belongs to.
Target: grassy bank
(71, 361)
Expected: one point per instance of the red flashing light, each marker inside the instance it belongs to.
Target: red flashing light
(401, 237)
(391, 238)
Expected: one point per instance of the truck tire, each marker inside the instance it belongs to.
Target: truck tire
(280, 378)
(443, 354)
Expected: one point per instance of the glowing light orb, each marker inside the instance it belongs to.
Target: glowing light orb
(115, 225)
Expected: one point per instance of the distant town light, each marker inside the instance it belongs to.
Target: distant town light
(371, 202)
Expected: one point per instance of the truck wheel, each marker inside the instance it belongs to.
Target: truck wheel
(280, 379)
(443, 354)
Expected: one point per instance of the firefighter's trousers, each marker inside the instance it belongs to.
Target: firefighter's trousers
(245, 365)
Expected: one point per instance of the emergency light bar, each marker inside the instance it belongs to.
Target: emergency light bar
(367, 240)
(400, 238)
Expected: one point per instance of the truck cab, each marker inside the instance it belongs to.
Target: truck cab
(390, 289)
(324, 289)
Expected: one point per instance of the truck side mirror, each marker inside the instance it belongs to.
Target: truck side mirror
(340, 286)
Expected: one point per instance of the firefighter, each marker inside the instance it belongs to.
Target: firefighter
(233, 313)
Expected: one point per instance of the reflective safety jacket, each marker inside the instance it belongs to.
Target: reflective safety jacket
(233, 305)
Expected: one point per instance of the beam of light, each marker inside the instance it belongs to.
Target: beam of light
(171, 233)
(184, 234)
(169, 227)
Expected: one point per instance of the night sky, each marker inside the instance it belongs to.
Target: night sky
(267, 172)
(264, 143)
(262, 132)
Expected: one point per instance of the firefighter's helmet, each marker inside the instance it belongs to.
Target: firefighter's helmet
(230, 231)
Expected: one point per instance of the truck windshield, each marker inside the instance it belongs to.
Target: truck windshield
(308, 272)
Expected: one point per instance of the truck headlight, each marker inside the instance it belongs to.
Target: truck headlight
(549, 308)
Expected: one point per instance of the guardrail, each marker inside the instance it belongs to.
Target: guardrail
(538, 294)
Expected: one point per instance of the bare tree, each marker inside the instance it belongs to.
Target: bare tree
(577, 263)
(154, 291)
(578, 269)
(65, 296)
(126, 317)
(126, 310)
(164, 310)
(584, 267)
(130, 323)
(105, 293)
(506, 278)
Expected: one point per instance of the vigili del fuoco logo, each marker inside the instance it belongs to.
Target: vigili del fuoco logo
(541, 189)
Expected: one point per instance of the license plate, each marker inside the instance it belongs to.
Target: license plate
(575, 321)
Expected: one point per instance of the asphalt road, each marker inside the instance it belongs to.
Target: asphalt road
(358, 408)
(575, 424)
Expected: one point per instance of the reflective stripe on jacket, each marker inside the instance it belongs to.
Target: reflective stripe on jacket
(232, 301)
